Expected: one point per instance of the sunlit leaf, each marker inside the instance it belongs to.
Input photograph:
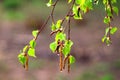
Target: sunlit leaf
(21, 58)
(67, 47)
(31, 52)
(58, 24)
(108, 11)
(32, 43)
(25, 48)
(80, 2)
(67, 18)
(53, 46)
(106, 20)
(104, 38)
(113, 30)
(53, 27)
(69, 1)
(106, 31)
(108, 41)
(60, 36)
(49, 3)
(72, 59)
(35, 32)
(104, 1)
(76, 12)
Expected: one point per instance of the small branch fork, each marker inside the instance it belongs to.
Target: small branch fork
(69, 15)
(45, 23)
(51, 15)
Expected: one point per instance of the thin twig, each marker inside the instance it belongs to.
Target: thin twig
(68, 14)
(45, 23)
(69, 28)
(54, 5)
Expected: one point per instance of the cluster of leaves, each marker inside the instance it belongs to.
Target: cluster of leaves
(28, 50)
(110, 30)
(81, 7)
(62, 44)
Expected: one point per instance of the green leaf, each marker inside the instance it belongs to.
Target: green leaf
(67, 47)
(116, 10)
(76, 12)
(113, 30)
(104, 38)
(49, 3)
(85, 5)
(58, 24)
(35, 32)
(32, 43)
(113, 1)
(67, 18)
(31, 52)
(108, 41)
(21, 58)
(53, 27)
(104, 1)
(80, 2)
(78, 17)
(109, 13)
(106, 20)
(69, 1)
(25, 48)
(60, 36)
(106, 31)
(72, 59)
(53, 46)
(66, 50)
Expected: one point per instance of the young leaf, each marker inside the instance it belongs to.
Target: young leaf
(106, 31)
(53, 46)
(31, 52)
(69, 1)
(104, 1)
(67, 47)
(53, 27)
(104, 38)
(108, 11)
(106, 20)
(113, 30)
(35, 32)
(21, 58)
(72, 59)
(76, 12)
(66, 50)
(108, 41)
(25, 48)
(116, 10)
(49, 3)
(32, 43)
(60, 36)
(58, 24)
(80, 2)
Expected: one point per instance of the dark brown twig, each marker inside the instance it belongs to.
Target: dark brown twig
(45, 23)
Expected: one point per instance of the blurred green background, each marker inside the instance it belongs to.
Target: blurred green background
(94, 60)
